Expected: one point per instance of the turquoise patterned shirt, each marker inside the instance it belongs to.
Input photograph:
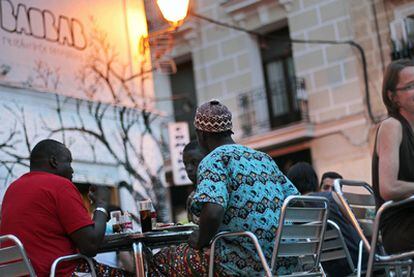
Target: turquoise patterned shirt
(251, 189)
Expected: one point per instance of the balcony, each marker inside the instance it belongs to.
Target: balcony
(277, 106)
(232, 6)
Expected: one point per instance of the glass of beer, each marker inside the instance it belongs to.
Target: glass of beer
(145, 215)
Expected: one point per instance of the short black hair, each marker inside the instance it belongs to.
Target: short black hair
(197, 148)
(45, 149)
(330, 174)
(304, 177)
(192, 145)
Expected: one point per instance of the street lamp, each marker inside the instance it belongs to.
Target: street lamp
(174, 11)
(162, 41)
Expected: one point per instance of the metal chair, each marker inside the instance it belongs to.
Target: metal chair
(359, 208)
(300, 234)
(376, 261)
(362, 203)
(334, 247)
(13, 259)
(397, 261)
(71, 258)
(237, 234)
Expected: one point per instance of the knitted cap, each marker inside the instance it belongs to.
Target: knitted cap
(213, 117)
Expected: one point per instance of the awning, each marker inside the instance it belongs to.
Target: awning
(95, 173)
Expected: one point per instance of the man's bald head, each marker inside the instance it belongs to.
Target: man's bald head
(51, 156)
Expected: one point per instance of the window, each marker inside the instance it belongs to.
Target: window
(280, 79)
(402, 38)
(184, 94)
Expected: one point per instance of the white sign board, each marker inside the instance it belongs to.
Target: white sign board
(61, 46)
(179, 137)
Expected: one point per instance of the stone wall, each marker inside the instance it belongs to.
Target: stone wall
(331, 71)
(228, 62)
(334, 75)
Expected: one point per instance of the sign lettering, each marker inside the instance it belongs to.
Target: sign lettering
(42, 24)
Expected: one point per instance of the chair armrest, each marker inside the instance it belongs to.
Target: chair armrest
(70, 258)
(375, 234)
(395, 257)
(237, 234)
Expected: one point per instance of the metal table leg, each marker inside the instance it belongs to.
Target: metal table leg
(139, 259)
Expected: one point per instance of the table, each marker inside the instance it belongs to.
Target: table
(155, 239)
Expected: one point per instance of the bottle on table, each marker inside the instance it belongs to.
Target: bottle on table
(127, 220)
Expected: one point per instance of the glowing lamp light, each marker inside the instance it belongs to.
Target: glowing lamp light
(174, 11)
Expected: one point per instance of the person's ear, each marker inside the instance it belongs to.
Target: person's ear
(391, 97)
(53, 162)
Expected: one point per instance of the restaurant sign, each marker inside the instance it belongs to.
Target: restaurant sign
(179, 136)
(51, 45)
(43, 24)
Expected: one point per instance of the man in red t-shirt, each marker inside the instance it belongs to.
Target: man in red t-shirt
(44, 209)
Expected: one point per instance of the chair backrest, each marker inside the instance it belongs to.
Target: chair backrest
(362, 204)
(13, 259)
(359, 208)
(301, 230)
(71, 258)
(334, 246)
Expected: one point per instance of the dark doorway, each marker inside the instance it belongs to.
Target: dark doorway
(184, 94)
(284, 162)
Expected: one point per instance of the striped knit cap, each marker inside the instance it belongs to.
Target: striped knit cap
(213, 117)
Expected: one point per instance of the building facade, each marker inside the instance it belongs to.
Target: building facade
(80, 73)
(292, 73)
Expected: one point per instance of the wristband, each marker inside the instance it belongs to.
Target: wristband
(103, 210)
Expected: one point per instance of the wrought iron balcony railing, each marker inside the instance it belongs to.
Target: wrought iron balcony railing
(283, 103)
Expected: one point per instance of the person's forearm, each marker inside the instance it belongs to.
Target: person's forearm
(89, 238)
(210, 221)
(99, 228)
(397, 191)
(207, 232)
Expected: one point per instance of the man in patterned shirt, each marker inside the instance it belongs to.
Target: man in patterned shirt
(239, 189)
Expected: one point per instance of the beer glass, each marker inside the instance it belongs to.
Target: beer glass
(145, 215)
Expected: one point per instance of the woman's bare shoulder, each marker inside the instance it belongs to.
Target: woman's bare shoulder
(390, 128)
(391, 122)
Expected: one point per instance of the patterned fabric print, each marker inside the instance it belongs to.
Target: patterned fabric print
(102, 270)
(182, 260)
(213, 124)
(251, 189)
(213, 117)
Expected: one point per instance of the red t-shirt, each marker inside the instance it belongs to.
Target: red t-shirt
(42, 209)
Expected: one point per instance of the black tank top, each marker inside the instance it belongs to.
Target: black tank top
(405, 173)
